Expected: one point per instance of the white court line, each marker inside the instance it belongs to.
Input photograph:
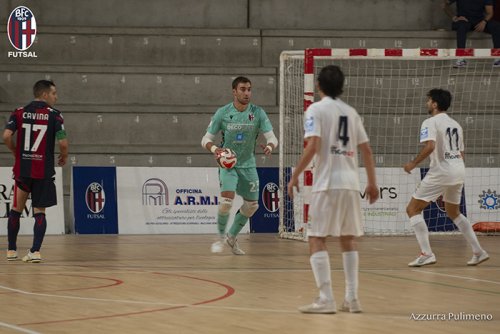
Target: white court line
(230, 308)
(456, 276)
(124, 301)
(187, 271)
(16, 328)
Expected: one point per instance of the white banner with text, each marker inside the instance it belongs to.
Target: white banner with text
(55, 214)
(169, 200)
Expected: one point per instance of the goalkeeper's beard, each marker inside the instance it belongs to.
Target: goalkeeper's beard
(244, 101)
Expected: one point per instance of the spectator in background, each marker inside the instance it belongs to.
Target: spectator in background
(474, 15)
(496, 11)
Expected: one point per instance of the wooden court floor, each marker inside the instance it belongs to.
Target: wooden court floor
(173, 284)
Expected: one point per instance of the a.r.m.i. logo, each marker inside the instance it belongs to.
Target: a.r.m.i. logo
(21, 29)
(154, 192)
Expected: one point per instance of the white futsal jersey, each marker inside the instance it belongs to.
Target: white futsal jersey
(341, 131)
(447, 166)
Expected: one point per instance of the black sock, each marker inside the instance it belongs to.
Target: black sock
(38, 231)
(13, 228)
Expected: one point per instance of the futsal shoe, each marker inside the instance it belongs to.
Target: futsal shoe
(235, 247)
(496, 63)
(478, 258)
(353, 306)
(423, 260)
(218, 246)
(34, 257)
(11, 255)
(319, 306)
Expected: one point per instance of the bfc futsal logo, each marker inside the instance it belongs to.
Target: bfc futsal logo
(21, 29)
(95, 197)
(270, 197)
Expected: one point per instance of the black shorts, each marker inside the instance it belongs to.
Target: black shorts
(43, 191)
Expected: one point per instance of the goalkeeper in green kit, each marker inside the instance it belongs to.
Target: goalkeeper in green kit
(240, 123)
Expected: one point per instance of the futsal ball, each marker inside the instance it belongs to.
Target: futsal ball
(227, 159)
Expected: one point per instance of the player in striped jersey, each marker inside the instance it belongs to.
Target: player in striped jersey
(38, 126)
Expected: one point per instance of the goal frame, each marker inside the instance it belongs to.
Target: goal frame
(310, 56)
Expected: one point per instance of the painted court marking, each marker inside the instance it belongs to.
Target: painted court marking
(165, 306)
(229, 292)
(17, 328)
(457, 276)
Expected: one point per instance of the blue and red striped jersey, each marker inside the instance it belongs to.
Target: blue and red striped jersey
(36, 125)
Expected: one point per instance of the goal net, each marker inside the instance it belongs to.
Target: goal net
(388, 89)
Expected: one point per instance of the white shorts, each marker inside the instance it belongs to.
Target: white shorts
(335, 212)
(430, 192)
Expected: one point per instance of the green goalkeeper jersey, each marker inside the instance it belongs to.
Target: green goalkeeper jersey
(240, 130)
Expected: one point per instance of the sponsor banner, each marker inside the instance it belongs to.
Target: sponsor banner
(170, 200)
(389, 212)
(94, 200)
(482, 194)
(266, 219)
(55, 214)
(480, 200)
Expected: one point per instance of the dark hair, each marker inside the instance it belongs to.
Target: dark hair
(331, 81)
(41, 86)
(239, 80)
(441, 97)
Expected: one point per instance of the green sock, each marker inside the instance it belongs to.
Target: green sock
(239, 223)
(221, 223)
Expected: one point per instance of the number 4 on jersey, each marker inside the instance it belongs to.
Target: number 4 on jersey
(452, 133)
(342, 134)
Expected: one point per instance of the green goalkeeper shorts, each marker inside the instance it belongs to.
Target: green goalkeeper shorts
(243, 181)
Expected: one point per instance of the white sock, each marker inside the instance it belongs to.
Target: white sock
(465, 227)
(320, 264)
(422, 233)
(351, 266)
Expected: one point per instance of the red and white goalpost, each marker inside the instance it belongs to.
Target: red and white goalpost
(388, 88)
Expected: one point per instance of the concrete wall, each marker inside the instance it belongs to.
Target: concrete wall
(260, 14)
(347, 14)
(133, 13)
(110, 86)
(139, 46)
